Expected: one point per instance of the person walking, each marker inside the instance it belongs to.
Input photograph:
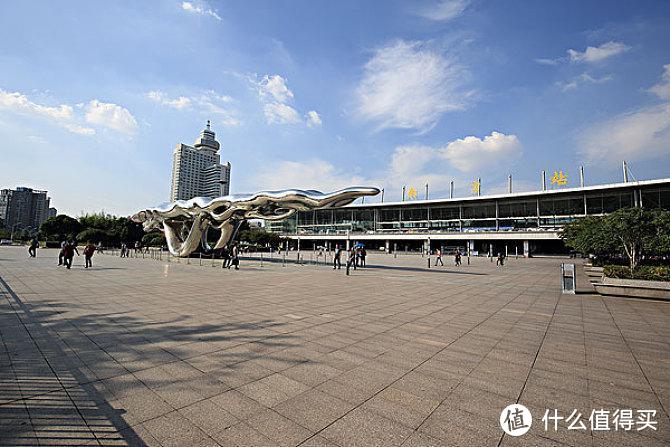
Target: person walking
(438, 257)
(225, 254)
(235, 257)
(124, 250)
(61, 254)
(337, 263)
(68, 253)
(89, 250)
(364, 254)
(351, 262)
(33, 247)
(457, 258)
(500, 261)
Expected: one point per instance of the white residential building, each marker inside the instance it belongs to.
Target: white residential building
(197, 170)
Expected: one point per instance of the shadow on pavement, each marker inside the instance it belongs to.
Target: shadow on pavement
(68, 381)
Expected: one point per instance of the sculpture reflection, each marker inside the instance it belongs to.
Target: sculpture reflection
(186, 222)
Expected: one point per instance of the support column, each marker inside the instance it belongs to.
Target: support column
(471, 246)
(348, 244)
(387, 246)
(526, 249)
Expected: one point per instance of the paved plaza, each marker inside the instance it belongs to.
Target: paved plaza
(145, 352)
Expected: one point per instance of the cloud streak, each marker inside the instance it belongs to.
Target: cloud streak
(406, 85)
(641, 134)
(444, 10)
(597, 54)
(199, 8)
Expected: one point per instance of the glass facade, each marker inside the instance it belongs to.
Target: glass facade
(534, 212)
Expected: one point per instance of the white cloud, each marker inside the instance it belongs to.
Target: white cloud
(112, 116)
(313, 118)
(471, 153)
(275, 87)
(584, 78)
(547, 61)
(406, 85)
(62, 115)
(81, 130)
(209, 103)
(275, 96)
(639, 135)
(410, 166)
(199, 8)
(597, 54)
(662, 89)
(278, 113)
(311, 174)
(20, 103)
(444, 10)
(162, 99)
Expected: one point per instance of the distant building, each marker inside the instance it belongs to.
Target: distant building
(23, 208)
(52, 212)
(197, 170)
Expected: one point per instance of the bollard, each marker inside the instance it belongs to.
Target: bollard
(212, 259)
(188, 260)
(347, 268)
(428, 261)
(283, 260)
(468, 259)
(261, 259)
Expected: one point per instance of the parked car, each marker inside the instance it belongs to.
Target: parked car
(5, 242)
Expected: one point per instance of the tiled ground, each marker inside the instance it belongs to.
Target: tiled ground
(137, 352)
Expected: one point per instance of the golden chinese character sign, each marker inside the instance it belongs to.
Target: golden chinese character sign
(412, 193)
(559, 178)
(476, 187)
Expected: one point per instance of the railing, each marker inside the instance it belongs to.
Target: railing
(299, 257)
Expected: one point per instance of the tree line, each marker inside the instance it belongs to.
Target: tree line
(635, 235)
(112, 231)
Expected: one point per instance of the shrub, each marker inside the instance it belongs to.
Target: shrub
(649, 273)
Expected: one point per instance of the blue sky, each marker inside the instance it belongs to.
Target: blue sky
(318, 94)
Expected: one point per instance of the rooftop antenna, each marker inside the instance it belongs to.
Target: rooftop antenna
(451, 190)
(581, 176)
(544, 180)
(509, 184)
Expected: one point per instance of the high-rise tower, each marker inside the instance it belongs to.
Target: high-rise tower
(197, 170)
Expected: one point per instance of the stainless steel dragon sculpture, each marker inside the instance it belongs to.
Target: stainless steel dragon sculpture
(186, 222)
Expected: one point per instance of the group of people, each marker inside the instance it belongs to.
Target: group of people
(438, 257)
(355, 257)
(68, 250)
(231, 257)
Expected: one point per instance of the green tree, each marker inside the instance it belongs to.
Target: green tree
(632, 232)
(60, 227)
(156, 239)
(93, 235)
(634, 229)
(589, 236)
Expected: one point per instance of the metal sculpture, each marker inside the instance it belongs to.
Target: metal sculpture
(186, 222)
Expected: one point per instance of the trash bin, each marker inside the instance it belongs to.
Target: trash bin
(568, 283)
